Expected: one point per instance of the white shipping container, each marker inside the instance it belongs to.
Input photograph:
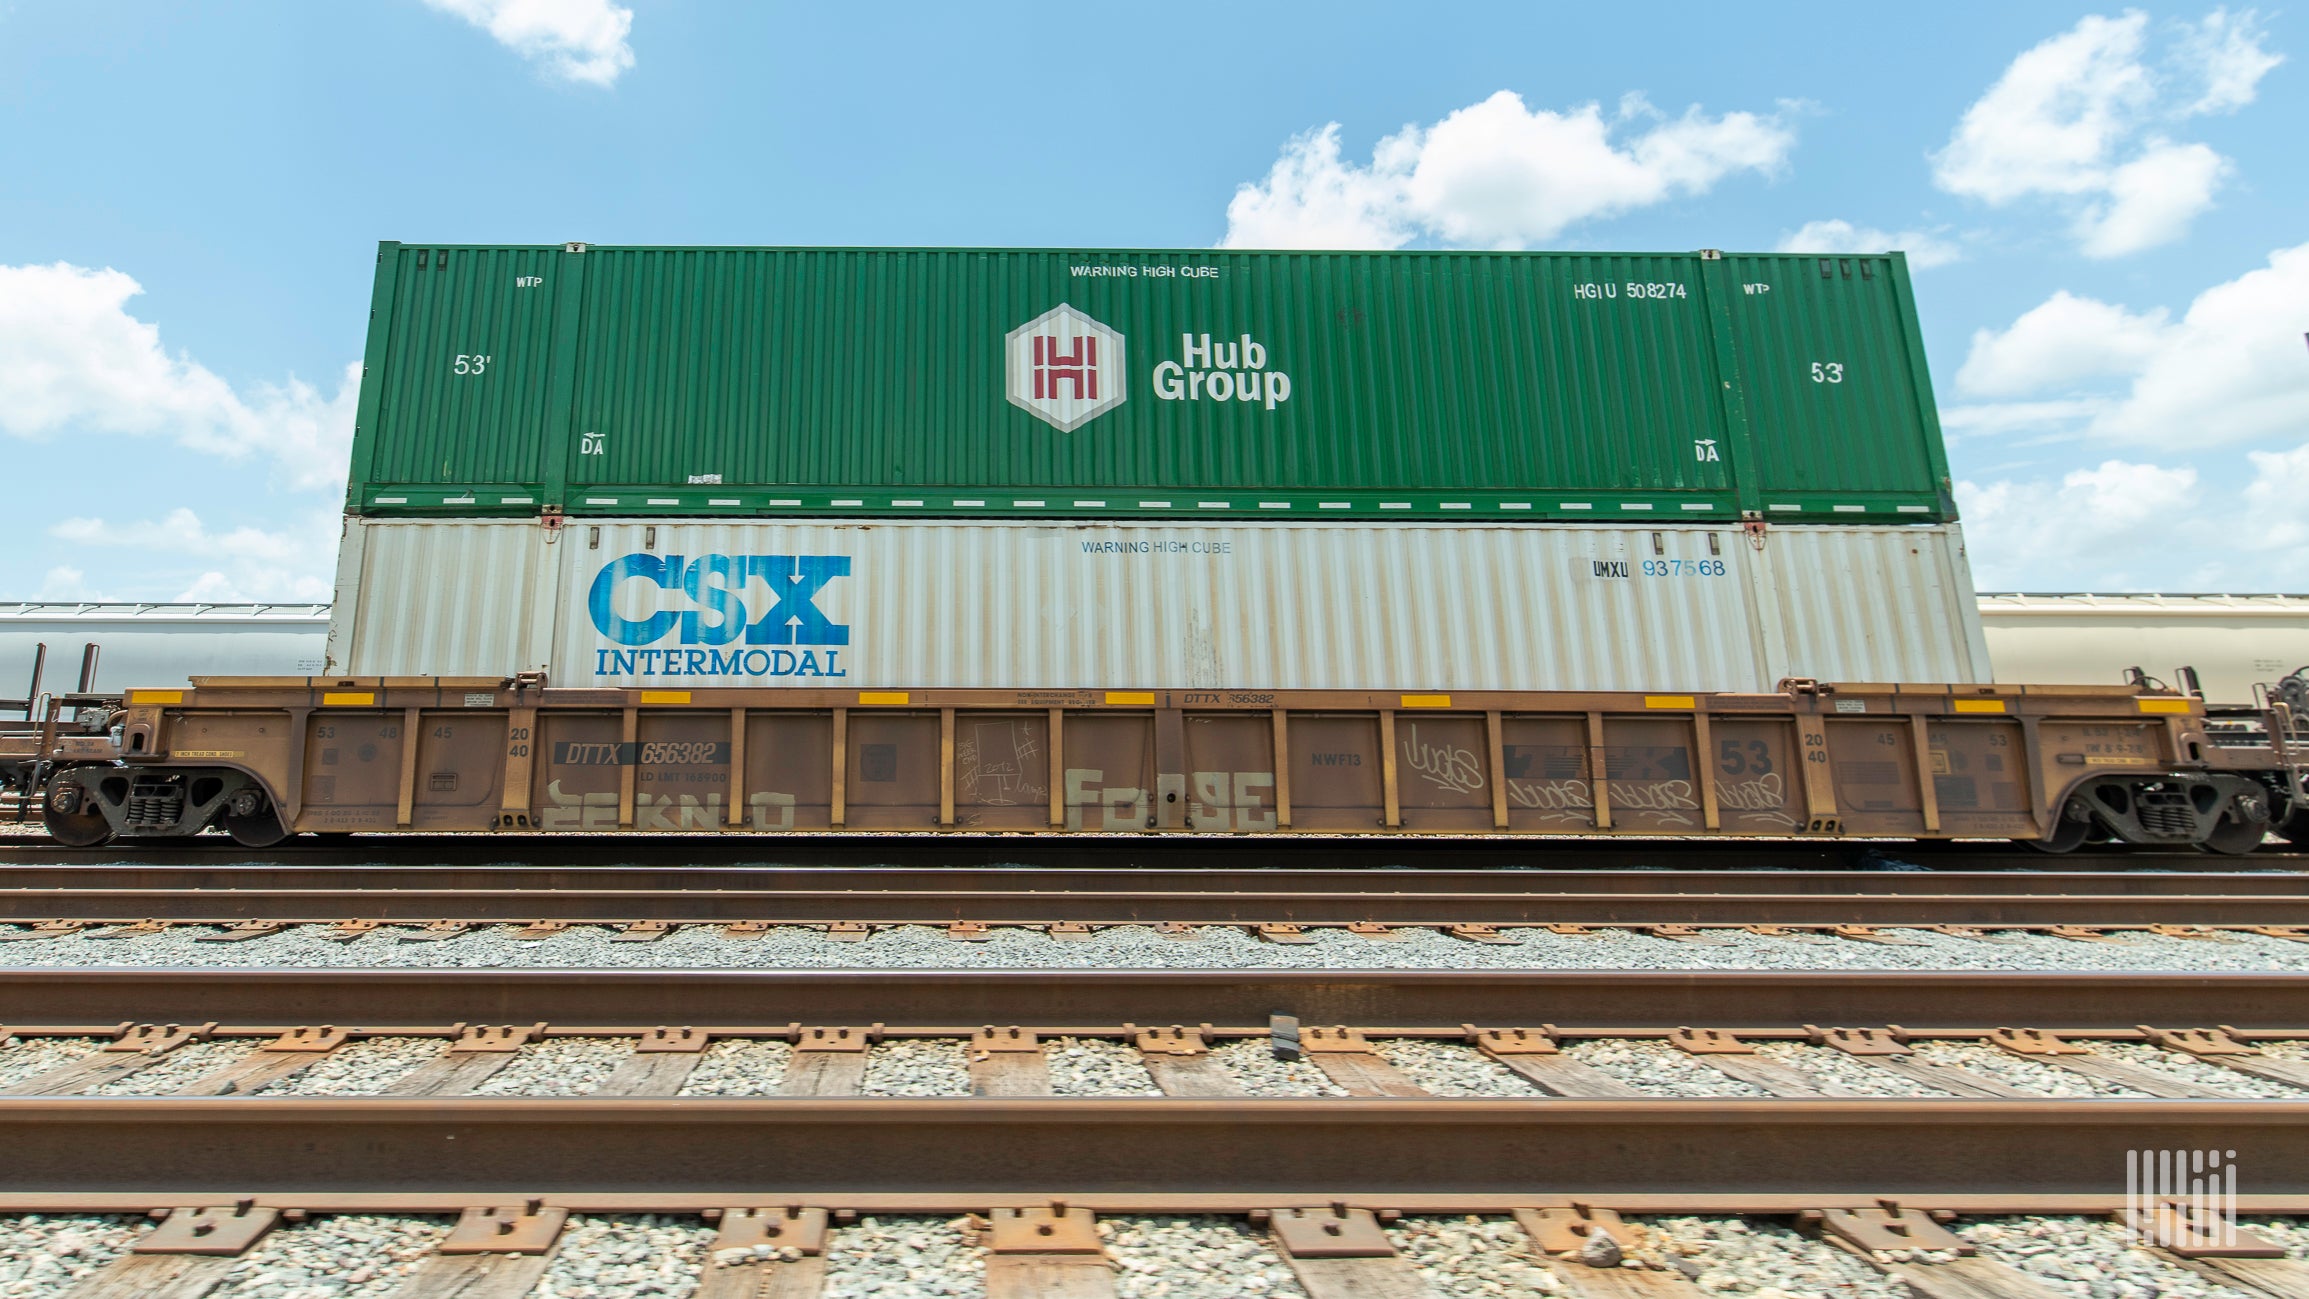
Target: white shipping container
(1031, 605)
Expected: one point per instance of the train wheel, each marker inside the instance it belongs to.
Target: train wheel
(261, 828)
(2069, 833)
(75, 824)
(2241, 828)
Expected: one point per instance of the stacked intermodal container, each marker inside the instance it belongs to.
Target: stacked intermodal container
(1024, 469)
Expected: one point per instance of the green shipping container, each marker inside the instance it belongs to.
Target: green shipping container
(968, 382)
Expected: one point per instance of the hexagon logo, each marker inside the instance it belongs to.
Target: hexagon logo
(1065, 368)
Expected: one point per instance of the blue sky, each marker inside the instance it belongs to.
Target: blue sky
(2108, 208)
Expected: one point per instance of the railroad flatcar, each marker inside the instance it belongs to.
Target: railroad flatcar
(263, 758)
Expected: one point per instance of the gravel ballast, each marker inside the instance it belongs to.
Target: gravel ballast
(26, 1057)
(2020, 1071)
(1253, 1064)
(1195, 1257)
(559, 1066)
(1094, 1066)
(2182, 1065)
(173, 1069)
(1759, 1257)
(613, 1256)
(1657, 1069)
(739, 1067)
(1452, 1068)
(1474, 1256)
(362, 1068)
(1141, 947)
(2089, 1258)
(1844, 1075)
(45, 1254)
(918, 1066)
(904, 1258)
(337, 1256)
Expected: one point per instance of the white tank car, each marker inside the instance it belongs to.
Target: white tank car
(2233, 641)
(157, 644)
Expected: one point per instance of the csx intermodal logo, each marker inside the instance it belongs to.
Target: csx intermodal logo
(712, 601)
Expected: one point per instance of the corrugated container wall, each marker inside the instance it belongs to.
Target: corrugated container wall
(1227, 605)
(753, 382)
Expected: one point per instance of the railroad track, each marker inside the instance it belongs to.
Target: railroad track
(24, 844)
(1280, 904)
(1871, 1108)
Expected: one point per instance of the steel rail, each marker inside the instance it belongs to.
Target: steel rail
(813, 1150)
(1052, 1000)
(1082, 850)
(321, 894)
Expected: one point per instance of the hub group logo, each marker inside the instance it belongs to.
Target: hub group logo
(717, 616)
(1065, 368)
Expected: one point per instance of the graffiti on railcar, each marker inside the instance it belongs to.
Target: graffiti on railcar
(1441, 763)
(1001, 762)
(1233, 800)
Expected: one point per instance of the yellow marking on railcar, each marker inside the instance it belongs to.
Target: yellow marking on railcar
(1426, 701)
(1670, 701)
(884, 697)
(348, 699)
(1140, 698)
(1980, 705)
(2163, 705)
(156, 696)
(665, 696)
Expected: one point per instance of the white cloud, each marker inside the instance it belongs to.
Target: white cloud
(2230, 370)
(2223, 53)
(2151, 200)
(1991, 418)
(1314, 199)
(2076, 117)
(575, 40)
(2105, 528)
(2273, 510)
(241, 563)
(1924, 249)
(1497, 174)
(65, 583)
(2131, 526)
(74, 362)
(2059, 342)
